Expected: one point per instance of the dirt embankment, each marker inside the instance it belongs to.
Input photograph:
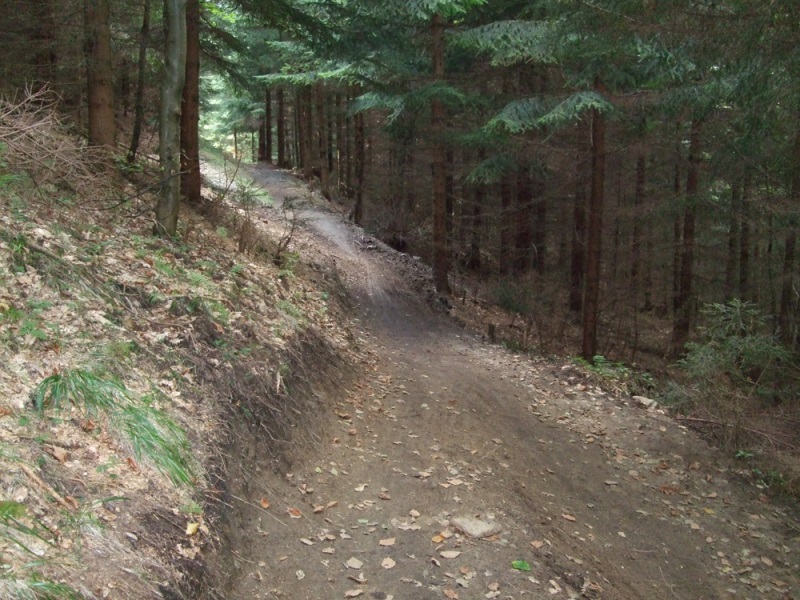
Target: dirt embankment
(581, 493)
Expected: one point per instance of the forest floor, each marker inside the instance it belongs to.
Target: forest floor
(575, 491)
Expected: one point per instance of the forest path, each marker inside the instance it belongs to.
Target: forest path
(599, 499)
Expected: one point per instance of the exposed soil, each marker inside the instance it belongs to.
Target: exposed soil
(599, 497)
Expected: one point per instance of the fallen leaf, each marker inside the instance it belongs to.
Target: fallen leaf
(331, 504)
(306, 541)
(361, 487)
(521, 565)
(353, 593)
(388, 563)
(450, 593)
(387, 542)
(294, 513)
(450, 553)
(191, 528)
(569, 517)
(61, 456)
(353, 563)
(537, 544)
(264, 503)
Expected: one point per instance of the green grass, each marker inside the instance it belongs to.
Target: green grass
(152, 434)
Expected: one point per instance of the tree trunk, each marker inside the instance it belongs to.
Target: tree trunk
(636, 239)
(99, 74)
(341, 145)
(523, 239)
(594, 241)
(744, 244)
(539, 224)
(578, 261)
(307, 135)
(169, 129)
(684, 303)
(322, 141)
(438, 163)
(677, 227)
(281, 127)
(450, 192)
(506, 221)
(734, 230)
(45, 59)
(190, 105)
(138, 111)
(474, 255)
(268, 150)
(787, 315)
(349, 142)
(360, 168)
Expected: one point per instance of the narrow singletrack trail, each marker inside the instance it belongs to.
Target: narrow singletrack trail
(597, 498)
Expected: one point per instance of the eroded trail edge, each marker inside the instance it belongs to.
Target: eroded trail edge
(579, 494)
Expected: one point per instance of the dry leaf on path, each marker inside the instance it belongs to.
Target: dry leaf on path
(387, 542)
(450, 553)
(537, 544)
(569, 517)
(354, 563)
(264, 503)
(294, 513)
(388, 563)
(353, 593)
(450, 593)
(191, 528)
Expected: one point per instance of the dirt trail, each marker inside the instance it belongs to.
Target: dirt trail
(600, 499)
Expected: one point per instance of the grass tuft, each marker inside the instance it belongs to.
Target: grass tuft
(151, 432)
(83, 390)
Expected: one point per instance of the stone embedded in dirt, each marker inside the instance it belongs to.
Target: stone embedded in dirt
(476, 528)
(645, 402)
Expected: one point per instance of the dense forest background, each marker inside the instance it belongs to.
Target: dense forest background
(624, 175)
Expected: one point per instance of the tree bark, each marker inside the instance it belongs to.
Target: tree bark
(169, 129)
(99, 74)
(438, 163)
(138, 111)
(594, 241)
(684, 304)
(191, 180)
